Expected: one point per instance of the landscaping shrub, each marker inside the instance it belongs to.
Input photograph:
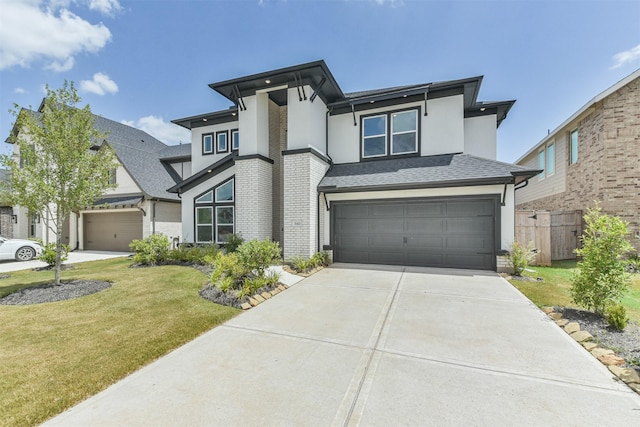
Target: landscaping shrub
(257, 255)
(520, 257)
(617, 317)
(233, 243)
(301, 265)
(153, 250)
(321, 259)
(48, 255)
(601, 280)
(198, 254)
(228, 267)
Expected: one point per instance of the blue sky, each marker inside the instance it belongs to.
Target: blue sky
(146, 62)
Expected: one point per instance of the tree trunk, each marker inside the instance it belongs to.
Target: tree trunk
(58, 265)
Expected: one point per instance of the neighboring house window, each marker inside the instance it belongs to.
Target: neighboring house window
(551, 159)
(215, 214)
(112, 176)
(222, 144)
(207, 143)
(390, 134)
(235, 139)
(573, 155)
(541, 163)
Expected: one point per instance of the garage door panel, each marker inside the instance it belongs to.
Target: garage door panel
(111, 231)
(456, 233)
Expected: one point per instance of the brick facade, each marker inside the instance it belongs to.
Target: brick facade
(302, 174)
(608, 167)
(254, 211)
(6, 227)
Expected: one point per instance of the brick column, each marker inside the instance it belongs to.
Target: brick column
(254, 209)
(303, 171)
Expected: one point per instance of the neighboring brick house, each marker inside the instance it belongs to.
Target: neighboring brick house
(403, 175)
(139, 205)
(593, 156)
(6, 211)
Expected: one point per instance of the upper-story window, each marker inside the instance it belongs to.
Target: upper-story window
(235, 139)
(390, 134)
(207, 143)
(222, 142)
(112, 176)
(547, 160)
(573, 154)
(541, 163)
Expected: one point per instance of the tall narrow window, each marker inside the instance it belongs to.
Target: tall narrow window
(204, 224)
(404, 132)
(573, 155)
(215, 214)
(112, 176)
(374, 136)
(551, 159)
(224, 223)
(207, 143)
(222, 145)
(541, 163)
(235, 140)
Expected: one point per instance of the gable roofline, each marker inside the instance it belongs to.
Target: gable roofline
(583, 110)
(207, 119)
(204, 174)
(315, 74)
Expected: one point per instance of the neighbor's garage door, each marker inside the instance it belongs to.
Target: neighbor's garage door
(458, 233)
(111, 231)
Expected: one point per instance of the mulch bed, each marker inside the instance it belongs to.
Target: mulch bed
(52, 293)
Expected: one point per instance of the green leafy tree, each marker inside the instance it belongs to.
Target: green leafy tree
(601, 280)
(55, 171)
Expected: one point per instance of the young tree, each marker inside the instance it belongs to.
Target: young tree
(601, 280)
(56, 172)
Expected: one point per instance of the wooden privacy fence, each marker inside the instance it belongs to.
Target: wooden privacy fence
(555, 234)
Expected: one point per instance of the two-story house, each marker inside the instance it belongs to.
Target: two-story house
(593, 156)
(137, 207)
(405, 175)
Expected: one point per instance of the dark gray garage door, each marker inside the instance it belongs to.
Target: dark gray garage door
(111, 231)
(458, 233)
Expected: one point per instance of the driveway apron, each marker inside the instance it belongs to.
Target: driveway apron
(374, 346)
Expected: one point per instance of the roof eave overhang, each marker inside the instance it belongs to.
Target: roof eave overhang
(500, 109)
(521, 176)
(312, 74)
(419, 185)
(201, 176)
(208, 119)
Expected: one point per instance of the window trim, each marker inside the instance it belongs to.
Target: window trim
(214, 204)
(572, 160)
(364, 138)
(197, 224)
(388, 135)
(226, 141)
(392, 134)
(204, 151)
(233, 140)
(233, 191)
(542, 165)
(232, 224)
(548, 170)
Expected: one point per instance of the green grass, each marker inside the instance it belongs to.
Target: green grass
(55, 355)
(555, 288)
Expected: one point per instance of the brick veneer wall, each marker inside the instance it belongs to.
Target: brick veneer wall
(302, 174)
(277, 144)
(608, 167)
(6, 227)
(254, 211)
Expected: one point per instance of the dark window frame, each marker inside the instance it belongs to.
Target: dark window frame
(214, 205)
(217, 141)
(236, 132)
(388, 135)
(212, 135)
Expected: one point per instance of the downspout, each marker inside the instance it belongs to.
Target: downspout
(153, 216)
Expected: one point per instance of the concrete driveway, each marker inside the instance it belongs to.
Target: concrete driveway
(374, 346)
(74, 257)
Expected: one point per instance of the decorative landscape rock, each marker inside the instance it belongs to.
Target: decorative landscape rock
(627, 375)
(555, 316)
(253, 302)
(572, 327)
(245, 306)
(581, 336)
(601, 352)
(635, 387)
(589, 345)
(265, 295)
(547, 310)
(611, 359)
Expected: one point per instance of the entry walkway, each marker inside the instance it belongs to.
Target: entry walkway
(374, 346)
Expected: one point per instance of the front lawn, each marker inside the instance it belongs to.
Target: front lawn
(553, 290)
(55, 355)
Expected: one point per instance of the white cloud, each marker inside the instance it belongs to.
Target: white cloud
(392, 3)
(166, 132)
(107, 7)
(36, 30)
(626, 56)
(101, 84)
(19, 90)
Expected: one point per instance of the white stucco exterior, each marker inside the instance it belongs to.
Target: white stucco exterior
(480, 135)
(125, 184)
(199, 160)
(306, 122)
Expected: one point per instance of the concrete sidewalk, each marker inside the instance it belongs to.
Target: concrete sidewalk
(74, 257)
(374, 346)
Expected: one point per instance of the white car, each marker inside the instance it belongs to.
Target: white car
(19, 249)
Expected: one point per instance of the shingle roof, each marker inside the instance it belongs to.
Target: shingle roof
(118, 201)
(176, 151)
(141, 155)
(447, 170)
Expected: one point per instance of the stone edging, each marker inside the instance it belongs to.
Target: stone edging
(607, 357)
(259, 298)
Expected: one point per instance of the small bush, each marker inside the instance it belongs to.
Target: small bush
(48, 255)
(198, 254)
(228, 267)
(153, 250)
(600, 280)
(233, 243)
(301, 265)
(257, 255)
(321, 259)
(616, 317)
(520, 257)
